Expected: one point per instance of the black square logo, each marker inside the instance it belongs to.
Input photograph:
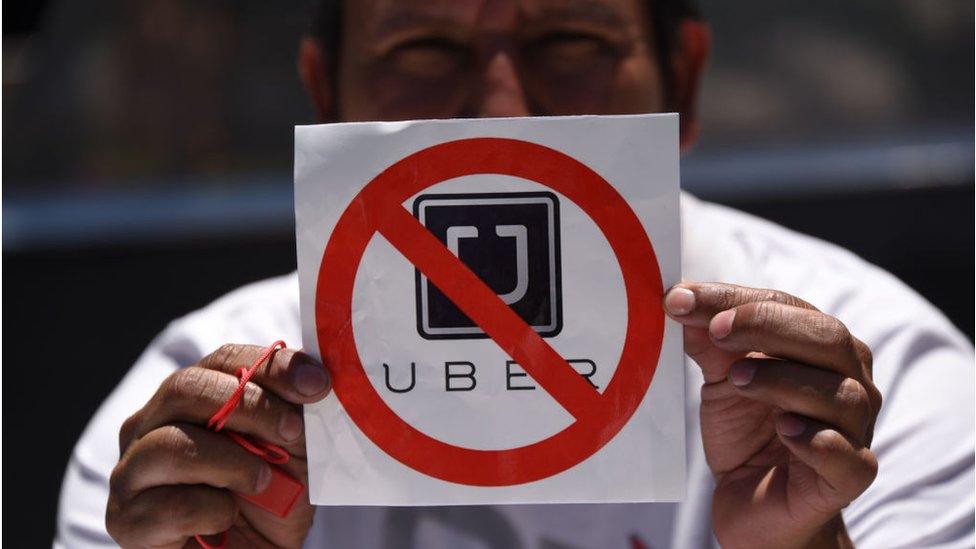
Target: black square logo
(511, 242)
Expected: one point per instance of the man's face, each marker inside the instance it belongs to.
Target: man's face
(413, 59)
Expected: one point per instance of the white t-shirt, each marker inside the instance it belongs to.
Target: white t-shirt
(924, 438)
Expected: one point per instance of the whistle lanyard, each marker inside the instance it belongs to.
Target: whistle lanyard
(283, 490)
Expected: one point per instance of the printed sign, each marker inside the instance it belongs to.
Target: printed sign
(487, 297)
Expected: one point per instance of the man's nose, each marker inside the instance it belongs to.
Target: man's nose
(502, 93)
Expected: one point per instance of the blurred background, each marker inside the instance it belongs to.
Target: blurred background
(147, 164)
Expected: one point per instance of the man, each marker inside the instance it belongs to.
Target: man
(783, 451)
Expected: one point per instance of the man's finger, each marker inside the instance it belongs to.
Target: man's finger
(826, 396)
(167, 516)
(792, 333)
(694, 303)
(293, 375)
(845, 468)
(713, 361)
(193, 394)
(188, 454)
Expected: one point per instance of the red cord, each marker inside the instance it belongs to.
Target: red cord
(271, 453)
(220, 544)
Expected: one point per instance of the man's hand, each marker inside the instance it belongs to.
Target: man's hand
(174, 478)
(787, 413)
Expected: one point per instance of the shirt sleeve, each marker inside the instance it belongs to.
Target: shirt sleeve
(924, 439)
(84, 491)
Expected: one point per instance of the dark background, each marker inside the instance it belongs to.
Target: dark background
(147, 151)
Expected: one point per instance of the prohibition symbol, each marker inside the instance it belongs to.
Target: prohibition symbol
(378, 209)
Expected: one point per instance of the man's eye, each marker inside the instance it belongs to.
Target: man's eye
(570, 52)
(428, 58)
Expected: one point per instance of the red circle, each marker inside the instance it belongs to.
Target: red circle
(642, 281)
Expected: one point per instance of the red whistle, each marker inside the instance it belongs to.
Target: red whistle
(280, 495)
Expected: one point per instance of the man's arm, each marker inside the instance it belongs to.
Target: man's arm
(174, 477)
(788, 409)
(924, 441)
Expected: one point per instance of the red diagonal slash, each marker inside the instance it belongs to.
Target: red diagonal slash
(487, 310)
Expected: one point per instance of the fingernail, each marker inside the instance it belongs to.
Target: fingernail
(790, 426)
(741, 373)
(264, 478)
(721, 324)
(309, 378)
(679, 301)
(290, 426)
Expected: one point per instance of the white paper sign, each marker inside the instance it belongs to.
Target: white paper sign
(487, 295)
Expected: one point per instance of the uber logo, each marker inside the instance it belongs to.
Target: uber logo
(511, 241)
